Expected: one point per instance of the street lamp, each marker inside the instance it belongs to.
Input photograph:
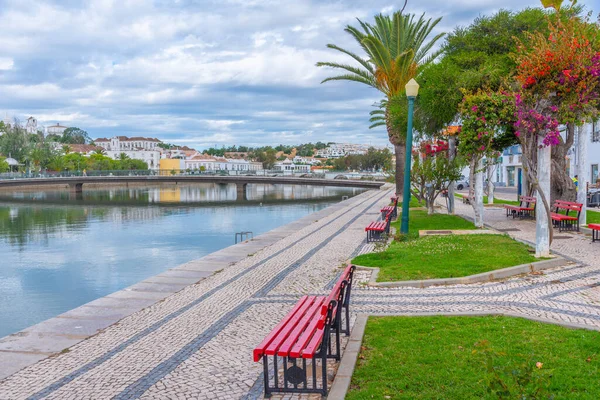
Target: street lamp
(412, 89)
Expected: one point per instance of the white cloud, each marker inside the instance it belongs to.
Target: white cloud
(6, 63)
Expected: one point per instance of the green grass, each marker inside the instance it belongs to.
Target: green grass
(420, 220)
(437, 357)
(593, 217)
(496, 200)
(413, 203)
(451, 256)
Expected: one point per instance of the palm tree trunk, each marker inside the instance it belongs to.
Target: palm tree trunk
(400, 151)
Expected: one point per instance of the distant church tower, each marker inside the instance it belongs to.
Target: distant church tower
(31, 126)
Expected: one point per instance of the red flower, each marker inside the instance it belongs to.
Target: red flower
(530, 81)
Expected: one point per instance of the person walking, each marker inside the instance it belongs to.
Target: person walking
(576, 182)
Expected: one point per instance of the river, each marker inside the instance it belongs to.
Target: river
(59, 251)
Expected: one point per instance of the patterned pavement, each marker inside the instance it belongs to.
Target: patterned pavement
(197, 343)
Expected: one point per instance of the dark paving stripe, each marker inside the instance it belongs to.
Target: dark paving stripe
(498, 304)
(137, 337)
(136, 389)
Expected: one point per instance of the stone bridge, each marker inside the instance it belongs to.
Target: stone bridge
(76, 183)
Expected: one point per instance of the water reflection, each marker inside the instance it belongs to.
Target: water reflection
(202, 193)
(59, 252)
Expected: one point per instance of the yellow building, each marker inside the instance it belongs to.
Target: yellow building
(171, 166)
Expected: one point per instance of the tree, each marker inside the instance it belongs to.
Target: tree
(558, 77)
(396, 51)
(75, 136)
(4, 167)
(267, 157)
(485, 117)
(431, 175)
(480, 57)
(15, 143)
(40, 155)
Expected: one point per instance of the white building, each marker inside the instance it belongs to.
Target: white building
(125, 143)
(288, 166)
(510, 171)
(306, 160)
(56, 129)
(31, 126)
(151, 157)
(136, 148)
(200, 162)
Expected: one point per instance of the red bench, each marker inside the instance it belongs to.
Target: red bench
(525, 210)
(566, 222)
(595, 231)
(304, 336)
(377, 231)
(391, 208)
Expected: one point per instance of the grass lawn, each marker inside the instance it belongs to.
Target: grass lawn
(452, 256)
(441, 358)
(593, 217)
(496, 200)
(413, 203)
(420, 220)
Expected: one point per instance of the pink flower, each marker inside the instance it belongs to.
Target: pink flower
(474, 108)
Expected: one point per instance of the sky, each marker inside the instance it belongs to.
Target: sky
(200, 73)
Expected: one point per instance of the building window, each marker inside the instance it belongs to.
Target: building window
(594, 174)
(596, 131)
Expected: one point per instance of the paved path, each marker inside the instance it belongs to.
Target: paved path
(197, 343)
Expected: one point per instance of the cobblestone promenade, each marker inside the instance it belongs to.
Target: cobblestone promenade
(197, 343)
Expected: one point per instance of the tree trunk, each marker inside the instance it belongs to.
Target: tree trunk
(451, 156)
(477, 202)
(490, 177)
(472, 167)
(542, 231)
(562, 186)
(400, 151)
(583, 171)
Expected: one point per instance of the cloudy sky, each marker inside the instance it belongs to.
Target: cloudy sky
(198, 72)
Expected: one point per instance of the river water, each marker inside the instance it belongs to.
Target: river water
(59, 250)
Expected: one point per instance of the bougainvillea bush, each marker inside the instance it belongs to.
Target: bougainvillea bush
(559, 77)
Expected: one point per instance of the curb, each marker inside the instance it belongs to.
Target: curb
(557, 261)
(341, 382)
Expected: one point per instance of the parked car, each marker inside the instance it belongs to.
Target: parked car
(462, 184)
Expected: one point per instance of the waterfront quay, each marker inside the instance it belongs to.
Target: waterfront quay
(189, 333)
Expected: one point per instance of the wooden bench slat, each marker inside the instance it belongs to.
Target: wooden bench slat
(310, 315)
(259, 350)
(305, 338)
(287, 329)
(313, 345)
(594, 227)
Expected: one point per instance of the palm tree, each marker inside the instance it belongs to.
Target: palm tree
(396, 51)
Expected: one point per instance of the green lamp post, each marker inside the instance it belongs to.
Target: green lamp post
(412, 89)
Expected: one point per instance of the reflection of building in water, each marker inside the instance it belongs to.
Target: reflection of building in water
(170, 195)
